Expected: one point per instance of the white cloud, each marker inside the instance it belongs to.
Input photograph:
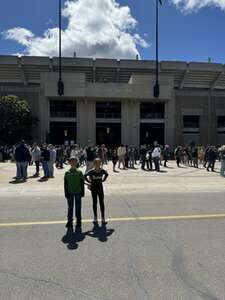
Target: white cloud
(194, 5)
(99, 28)
(21, 35)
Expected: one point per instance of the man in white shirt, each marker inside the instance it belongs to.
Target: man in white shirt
(156, 153)
(121, 151)
(36, 157)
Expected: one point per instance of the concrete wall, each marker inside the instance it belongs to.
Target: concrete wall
(130, 122)
(208, 104)
(86, 122)
(140, 87)
(192, 105)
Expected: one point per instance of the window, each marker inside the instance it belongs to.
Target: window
(221, 121)
(191, 124)
(62, 109)
(221, 124)
(108, 110)
(191, 121)
(152, 110)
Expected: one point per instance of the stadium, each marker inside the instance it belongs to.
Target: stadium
(112, 102)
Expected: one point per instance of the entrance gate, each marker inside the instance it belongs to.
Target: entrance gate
(150, 132)
(108, 134)
(62, 131)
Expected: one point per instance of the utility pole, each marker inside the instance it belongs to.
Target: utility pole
(157, 86)
(60, 82)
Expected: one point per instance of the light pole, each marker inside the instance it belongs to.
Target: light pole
(156, 86)
(60, 82)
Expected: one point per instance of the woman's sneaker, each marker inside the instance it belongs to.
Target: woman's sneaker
(104, 221)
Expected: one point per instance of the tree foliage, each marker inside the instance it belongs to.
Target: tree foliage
(16, 120)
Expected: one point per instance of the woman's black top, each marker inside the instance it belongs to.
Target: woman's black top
(95, 178)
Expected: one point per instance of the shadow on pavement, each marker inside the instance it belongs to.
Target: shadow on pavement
(16, 181)
(100, 232)
(73, 238)
(34, 176)
(43, 179)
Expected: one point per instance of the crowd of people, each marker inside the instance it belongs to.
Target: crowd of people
(123, 157)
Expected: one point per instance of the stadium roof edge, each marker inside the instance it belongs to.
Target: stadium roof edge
(140, 61)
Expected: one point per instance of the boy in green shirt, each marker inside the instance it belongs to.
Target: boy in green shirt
(74, 191)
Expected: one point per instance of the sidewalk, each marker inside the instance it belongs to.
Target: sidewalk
(170, 180)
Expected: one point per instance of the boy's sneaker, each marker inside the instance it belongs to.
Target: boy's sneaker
(69, 224)
(95, 220)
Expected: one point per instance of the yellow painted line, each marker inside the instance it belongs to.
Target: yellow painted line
(125, 219)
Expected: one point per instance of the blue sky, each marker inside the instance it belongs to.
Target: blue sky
(193, 36)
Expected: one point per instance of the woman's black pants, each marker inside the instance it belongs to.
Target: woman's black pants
(98, 193)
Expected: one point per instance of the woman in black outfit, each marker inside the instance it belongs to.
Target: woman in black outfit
(96, 177)
(114, 159)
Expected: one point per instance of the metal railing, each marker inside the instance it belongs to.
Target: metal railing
(112, 115)
(63, 114)
(152, 115)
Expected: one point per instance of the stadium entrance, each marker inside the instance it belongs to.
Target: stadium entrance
(150, 132)
(108, 134)
(63, 133)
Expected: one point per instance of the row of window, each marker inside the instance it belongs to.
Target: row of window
(194, 121)
(112, 110)
(105, 110)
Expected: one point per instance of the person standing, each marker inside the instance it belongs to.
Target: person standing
(189, 154)
(75, 151)
(52, 159)
(95, 178)
(74, 191)
(126, 157)
(82, 157)
(91, 154)
(131, 154)
(206, 156)
(143, 153)
(22, 157)
(105, 155)
(121, 152)
(166, 154)
(114, 159)
(101, 153)
(177, 155)
(60, 156)
(212, 155)
(195, 157)
(201, 154)
(149, 158)
(222, 160)
(36, 157)
(45, 157)
(156, 153)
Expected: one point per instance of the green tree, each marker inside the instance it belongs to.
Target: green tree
(16, 120)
